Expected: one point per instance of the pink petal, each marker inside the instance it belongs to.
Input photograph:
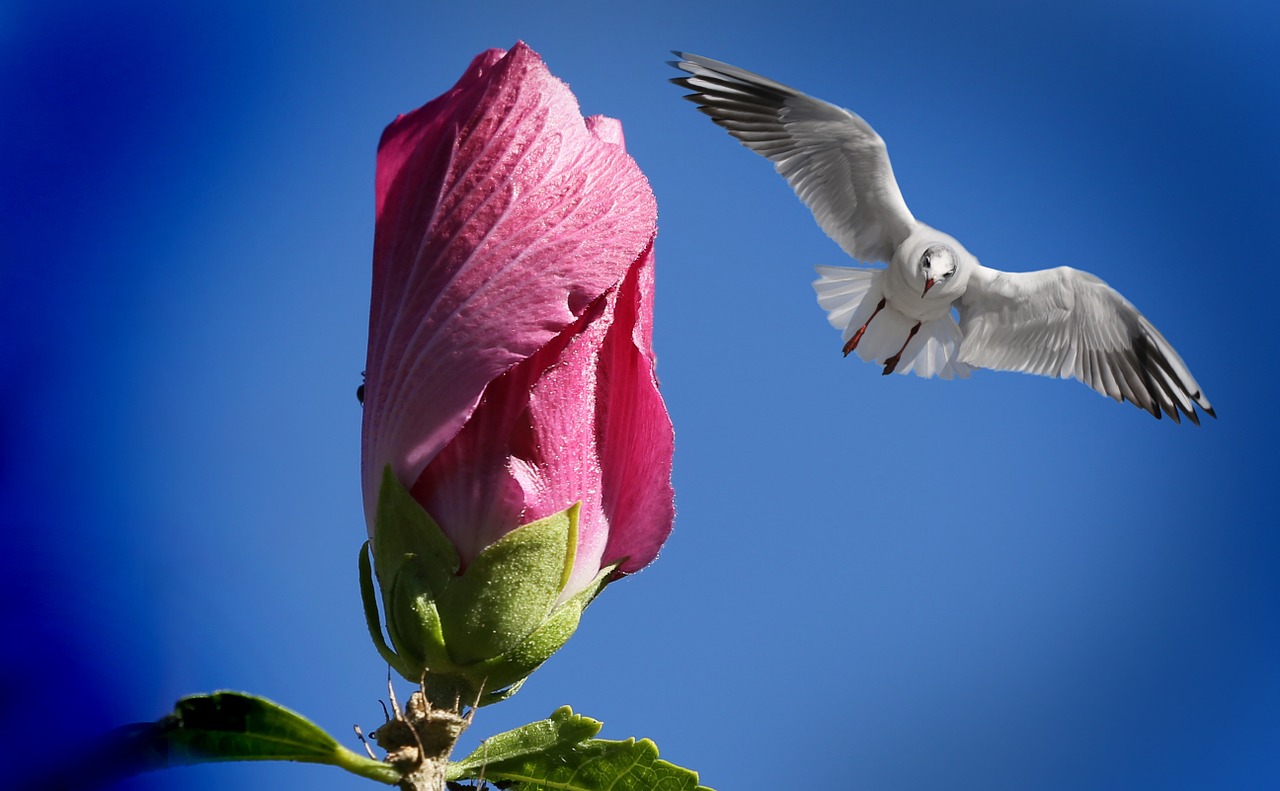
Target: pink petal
(607, 129)
(636, 438)
(580, 421)
(500, 218)
(476, 488)
(566, 468)
(602, 436)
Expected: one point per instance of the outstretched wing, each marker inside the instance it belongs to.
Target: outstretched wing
(1066, 323)
(833, 159)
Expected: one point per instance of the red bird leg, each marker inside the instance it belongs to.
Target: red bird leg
(852, 343)
(892, 362)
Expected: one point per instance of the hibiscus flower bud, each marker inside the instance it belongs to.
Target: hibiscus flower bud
(516, 451)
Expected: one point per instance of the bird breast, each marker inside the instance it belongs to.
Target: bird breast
(904, 280)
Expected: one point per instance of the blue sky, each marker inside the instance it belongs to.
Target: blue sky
(874, 582)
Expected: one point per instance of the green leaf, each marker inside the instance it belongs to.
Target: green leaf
(561, 731)
(559, 755)
(233, 726)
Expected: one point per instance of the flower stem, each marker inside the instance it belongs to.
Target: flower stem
(420, 739)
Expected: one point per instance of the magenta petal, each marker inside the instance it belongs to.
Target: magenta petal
(607, 129)
(566, 468)
(581, 421)
(635, 434)
(602, 437)
(476, 488)
(500, 217)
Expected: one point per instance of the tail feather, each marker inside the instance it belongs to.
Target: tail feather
(850, 296)
(934, 351)
(843, 292)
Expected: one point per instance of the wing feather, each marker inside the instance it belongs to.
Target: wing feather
(1069, 324)
(834, 160)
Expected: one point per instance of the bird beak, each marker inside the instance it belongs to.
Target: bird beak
(928, 284)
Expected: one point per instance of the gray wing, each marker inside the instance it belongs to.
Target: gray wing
(1066, 323)
(833, 159)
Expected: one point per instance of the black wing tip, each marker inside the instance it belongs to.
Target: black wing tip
(1194, 416)
(1203, 403)
(1177, 412)
(1169, 393)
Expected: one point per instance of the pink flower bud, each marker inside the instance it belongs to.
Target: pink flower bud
(510, 369)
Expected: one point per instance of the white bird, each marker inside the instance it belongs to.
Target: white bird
(1055, 322)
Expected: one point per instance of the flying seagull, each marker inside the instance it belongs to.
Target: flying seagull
(1055, 322)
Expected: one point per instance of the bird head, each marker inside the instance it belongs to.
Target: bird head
(938, 264)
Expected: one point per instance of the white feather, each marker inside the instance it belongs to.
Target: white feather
(834, 160)
(842, 290)
(850, 295)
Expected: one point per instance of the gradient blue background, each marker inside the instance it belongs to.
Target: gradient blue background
(874, 583)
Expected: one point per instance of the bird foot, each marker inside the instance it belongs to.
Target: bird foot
(852, 343)
(892, 363)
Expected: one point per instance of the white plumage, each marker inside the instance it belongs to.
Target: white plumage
(1056, 322)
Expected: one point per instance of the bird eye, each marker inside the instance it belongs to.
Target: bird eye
(925, 262)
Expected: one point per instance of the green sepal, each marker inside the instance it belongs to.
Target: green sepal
(371, 618)
(422, 621)
(474, 636)
(510, 588)
(415, 562)
(405, 532)
(559, 754)
(417, 641)
(502, 675)
(527, 655)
